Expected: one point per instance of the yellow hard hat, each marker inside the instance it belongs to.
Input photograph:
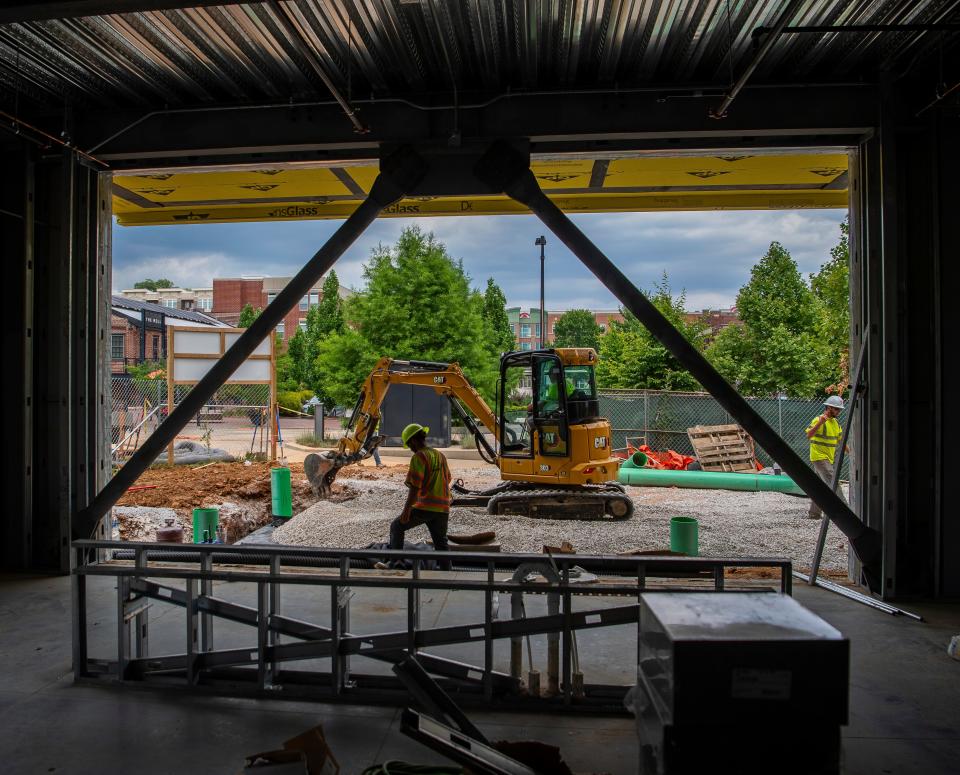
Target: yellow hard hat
(412, 430)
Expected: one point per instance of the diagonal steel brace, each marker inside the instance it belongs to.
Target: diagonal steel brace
(306, 631)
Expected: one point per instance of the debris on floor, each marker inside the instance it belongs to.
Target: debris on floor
(565, 548)
(472, 539)
(307, 754)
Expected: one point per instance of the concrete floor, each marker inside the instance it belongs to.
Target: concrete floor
(904, 696)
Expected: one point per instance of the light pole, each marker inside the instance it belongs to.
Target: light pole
(542, 242)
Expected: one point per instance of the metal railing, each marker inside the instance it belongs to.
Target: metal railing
(584, 593)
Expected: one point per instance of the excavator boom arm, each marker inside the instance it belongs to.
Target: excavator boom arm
(360, 440)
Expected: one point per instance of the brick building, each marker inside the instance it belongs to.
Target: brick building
(525, 324)
(138, 330)
(232, 294)
(717, 319)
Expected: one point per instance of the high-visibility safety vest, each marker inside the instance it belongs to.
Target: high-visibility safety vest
(823, 443)
(429, 475)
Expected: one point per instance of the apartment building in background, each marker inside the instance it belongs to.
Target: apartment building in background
(525, 324)
(187, 299)
(138, 330)
(232, 294)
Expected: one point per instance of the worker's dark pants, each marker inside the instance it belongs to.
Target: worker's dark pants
(436, 522)
(824, 469)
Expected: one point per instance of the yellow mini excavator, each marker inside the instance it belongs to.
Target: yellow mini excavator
(554, 454)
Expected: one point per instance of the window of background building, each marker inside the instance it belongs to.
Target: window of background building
(304, 303)
(524, 330)
(170, 303)
(513, 329)
(205, 304)
(314, 299)
(281, 327)
(526, 346)
(116, 347)
(271, 297)
(538, 331)
(303, 324)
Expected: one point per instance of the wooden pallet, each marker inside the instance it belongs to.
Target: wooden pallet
(722, 447)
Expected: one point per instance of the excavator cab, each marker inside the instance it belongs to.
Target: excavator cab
(558, 437)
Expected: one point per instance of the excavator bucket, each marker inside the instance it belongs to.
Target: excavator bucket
(320, 471)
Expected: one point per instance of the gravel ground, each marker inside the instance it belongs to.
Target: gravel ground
(731, 523)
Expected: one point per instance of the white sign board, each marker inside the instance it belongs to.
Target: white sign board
(195, 350)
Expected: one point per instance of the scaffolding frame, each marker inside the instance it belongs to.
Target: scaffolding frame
(183, 575)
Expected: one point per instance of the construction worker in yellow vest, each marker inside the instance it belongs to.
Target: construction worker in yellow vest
(428, 495)
(824, 435)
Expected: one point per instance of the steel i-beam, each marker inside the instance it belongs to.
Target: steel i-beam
(399, 173)
(507, 169)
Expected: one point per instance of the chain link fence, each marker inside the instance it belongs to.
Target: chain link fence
(660, 419)
(235, 419)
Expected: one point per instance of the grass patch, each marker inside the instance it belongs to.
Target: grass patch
(312, 440)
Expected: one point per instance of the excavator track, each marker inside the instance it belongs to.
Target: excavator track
(591, 502)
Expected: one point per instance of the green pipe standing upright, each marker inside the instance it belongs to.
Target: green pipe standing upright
(205, 524)
(281, 494)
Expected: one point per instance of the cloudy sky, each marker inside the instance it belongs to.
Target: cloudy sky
(707, 254)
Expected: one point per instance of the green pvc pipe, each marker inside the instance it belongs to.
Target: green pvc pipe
(281, 495)
(684, 536)
(630, 473)
(205, 524)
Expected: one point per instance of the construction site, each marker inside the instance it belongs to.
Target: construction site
(497, 560)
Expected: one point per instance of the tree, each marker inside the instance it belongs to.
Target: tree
(576, 328)
(152, 285)
(831, 288)
(776, 295)
(343, 361)
(287, 378)
(297, 351)
(323, 320)
(327, 316)
(778, 347)
(631, 358)
(417, 304)
(247, 315)
(495, 314)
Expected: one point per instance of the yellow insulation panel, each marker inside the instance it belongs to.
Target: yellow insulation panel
(688, 182)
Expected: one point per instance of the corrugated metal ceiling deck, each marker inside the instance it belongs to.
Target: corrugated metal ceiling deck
(422, 49)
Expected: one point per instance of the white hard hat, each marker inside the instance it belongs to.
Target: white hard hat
(835, 401)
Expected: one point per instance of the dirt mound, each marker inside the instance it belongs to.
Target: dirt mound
(188, 488)
(242, 491)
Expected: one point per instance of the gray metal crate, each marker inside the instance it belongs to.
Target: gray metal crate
(738, 682)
